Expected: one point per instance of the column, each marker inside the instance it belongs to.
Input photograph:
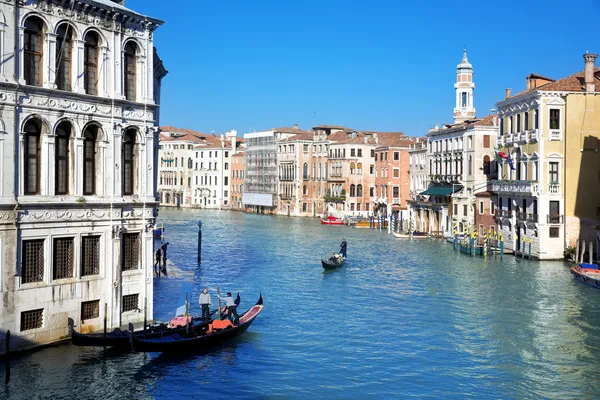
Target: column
(140, 76)
(103, 75)
(150, 167)
(2, 52)
(77, 71)
(149, 72)
(117, 163)
(139, 186)
(102, 178)
(49, 77)
(78, 167)
(21, 55)
(47, 160)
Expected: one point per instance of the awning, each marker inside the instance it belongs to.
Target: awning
(442, 190)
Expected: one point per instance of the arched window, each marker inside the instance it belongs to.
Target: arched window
(61, 151)
(33, 51)
(486, 165)
(190, 163)
(305, 171)
(64, 51)
(314, 172)
(90, 63)
(182, 164)
(470, 166)
(129, 70)
(352, 191)
(352, 168)
(89, 160)
(129, 162)
(304, 190)
(33, 130)
(176, 162)
(359, 191)
(359, 168)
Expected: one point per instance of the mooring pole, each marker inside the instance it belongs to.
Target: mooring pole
(524, 240)
(105, 327)
(582, 252)
(187, 325)
(219, 301)
(145, 315)
(530, 242)
(501, 247)
(577, 251)
(7, 357)
(199, 241)
(591, 257)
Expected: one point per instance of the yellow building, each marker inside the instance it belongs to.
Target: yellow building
(550, 130)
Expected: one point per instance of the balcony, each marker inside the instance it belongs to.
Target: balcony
(533, 135)
(500, 141)
(522, 137)
(336, 178)
(555, 134)
(554, 188)
(515, 187)
(335, 199)
(509, 138)
(396, 201)
(554, 219)
(503, 213)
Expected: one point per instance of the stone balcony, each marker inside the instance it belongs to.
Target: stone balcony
(554, 188)
(509, 138)
(533, 135)
(555, 134)
(500, 141)
(515, 187)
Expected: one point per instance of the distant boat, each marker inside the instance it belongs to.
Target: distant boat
(587, 273)
(331, 220)
(415, 235)
(158, 232)
(333, 262)
(201, 338)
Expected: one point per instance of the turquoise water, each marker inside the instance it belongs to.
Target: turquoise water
(402, 319)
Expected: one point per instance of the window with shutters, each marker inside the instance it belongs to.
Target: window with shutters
(131, 251)
(64, 51)
(63, 258)
(129, 70)
(90, 309)
(128, 161)
(90, 255)
(90, 63)
(486, 141)
(89, 160)
(32, 261)
(130, 302)
(61, 149)
(33, 319)
(32, 157)
(33, 51)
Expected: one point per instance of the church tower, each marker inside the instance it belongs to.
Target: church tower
(464, 87)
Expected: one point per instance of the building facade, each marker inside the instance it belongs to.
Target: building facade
(392, 177)
(238, 171)
(78, 202)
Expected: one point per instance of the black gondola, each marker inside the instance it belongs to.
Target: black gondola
(120, 338)
(333, 262)
(199, 339)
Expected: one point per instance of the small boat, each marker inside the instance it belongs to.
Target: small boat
(333, 262)
(200, 338)
(120, 338)
(331, 220)
(415, 235)
(587, 273)
(158, 232)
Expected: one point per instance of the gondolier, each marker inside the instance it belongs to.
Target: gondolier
(343, 247)
(231, 308)
(204, 301)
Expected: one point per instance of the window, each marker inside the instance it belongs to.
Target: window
(303, 207)
(63, 258)
(518, 127)
(396, 173)
(554, 217)
(130, 302)
(128, 162)
(553, 172)
(554, 232)
(501, 126)
(470, 142)
(304, 190)
(554, 118)
(359, 153)
(90, 309)
(492, 207)
(486, 141)
(129, 70)
(352, 168)
(371, 192)
(89, 160)
(190, 163)
(373, 154)
(535, 119)
(226, 166)
(359, 190)
(371, 169)
(465, 210)
(526, 120)
(352, 153)
(376, 157)
(456, 209)
(481, 207)
(63, 133)
(486, 165)
(90, 255)
(32, 157)
(352, 191)
(225, 194)
(305, 148)
(33, 48)
(131, 251)
(32, 261)
(189, 181)
(226, 180)
(396, 192)
(305, 171)
(226, 154)
(463, 102)
(396, 156)
(470, 166)
(32, 319)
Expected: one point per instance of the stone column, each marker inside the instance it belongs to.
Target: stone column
(103, 71)
(47, 187)
(116, 163)
(140, 79)
(49, 60)
(78, 167)
(102, 178)
(21, 54)
(77, 71)
(2, 52)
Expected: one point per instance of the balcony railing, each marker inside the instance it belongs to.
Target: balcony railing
(533, 135)
(523, 137)
(500, 141)
(554, 219)
(554, 134)
(509, 138)
(504, 213)
(554, 188)
(518, 187)
(395, 201)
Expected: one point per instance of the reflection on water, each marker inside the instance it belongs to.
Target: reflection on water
(400, 319)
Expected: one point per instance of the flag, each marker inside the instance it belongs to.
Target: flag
(500, 155)
(510, 162)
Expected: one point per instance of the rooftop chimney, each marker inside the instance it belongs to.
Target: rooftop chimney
(508, 93)
(590, 85)
(295, 126)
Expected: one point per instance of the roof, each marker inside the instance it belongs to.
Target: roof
(538, 76)
(397, 143)
(571, 83)
(442, 190)
(286, 129)
(304, 136)
(485, 121)
(118, 8)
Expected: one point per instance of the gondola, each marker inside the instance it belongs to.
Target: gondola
(333, 262)
(120, 338)
(199, 339)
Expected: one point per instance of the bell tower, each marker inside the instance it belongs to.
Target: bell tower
(464, 87)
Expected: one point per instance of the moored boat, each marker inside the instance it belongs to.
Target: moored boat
(587, 273)
(200, 338)
(333, 262)
(331, 220)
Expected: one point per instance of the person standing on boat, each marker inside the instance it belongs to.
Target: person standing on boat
(157, 263)
(164, 254)
(231, 308)
(343, 247)
(205, 304)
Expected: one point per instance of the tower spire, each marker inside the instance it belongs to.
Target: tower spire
(464, 88)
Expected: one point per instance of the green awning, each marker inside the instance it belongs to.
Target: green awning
(442, 190)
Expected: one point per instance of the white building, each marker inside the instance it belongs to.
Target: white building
(419, 172)
(79, 135)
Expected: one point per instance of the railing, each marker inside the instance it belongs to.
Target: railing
(554, 134)
(554, 219)
(500, 141)
(523, 137)
(521, 187)
(504, 213)
(395, 201)
(533, 135)
(335, 199)
(509, 138)
(554, 188)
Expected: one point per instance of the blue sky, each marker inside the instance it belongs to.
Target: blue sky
(371, 65)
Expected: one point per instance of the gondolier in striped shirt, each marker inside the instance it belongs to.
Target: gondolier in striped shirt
(205, 303)
(231, 308)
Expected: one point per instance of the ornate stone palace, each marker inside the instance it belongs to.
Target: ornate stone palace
(79, 93)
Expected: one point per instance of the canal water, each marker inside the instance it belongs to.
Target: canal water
(402, 319)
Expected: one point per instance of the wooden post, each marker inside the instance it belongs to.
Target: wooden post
(199, 241)
(577, 251)
(582, 251)
(501, 247)
(219, 301)
(187, 325)
(591, 257)
(530, 242)
(105, 326)
(523, 250)
(145, 315)
(7, 357)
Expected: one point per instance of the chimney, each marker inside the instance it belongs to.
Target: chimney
(376, 138)
(366, 139)
(233, 144)
(508, 93)
(590, 85)
(418, 140)
(295, 126)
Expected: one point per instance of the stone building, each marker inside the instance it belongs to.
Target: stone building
(238, 172)
(79, 123)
